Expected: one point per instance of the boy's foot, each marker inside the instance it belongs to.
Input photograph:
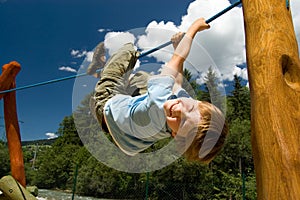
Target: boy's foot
(98, 60)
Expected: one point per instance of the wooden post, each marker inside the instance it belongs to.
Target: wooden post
(9, 73)
(7, 81)
(274, 77)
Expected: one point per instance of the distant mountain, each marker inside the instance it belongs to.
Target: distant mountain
(39, 142)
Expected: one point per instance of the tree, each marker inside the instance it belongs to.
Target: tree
(211, 90)
(188, 80)
(239, 101)
(55, 168)
(101, 181)
(68, 133)
(4, 160)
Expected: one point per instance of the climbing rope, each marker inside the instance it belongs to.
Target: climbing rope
(142, 55)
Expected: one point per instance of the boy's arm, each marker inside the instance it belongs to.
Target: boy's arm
(175, 66)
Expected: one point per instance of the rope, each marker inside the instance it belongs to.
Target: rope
(43, 83)
(142, 55)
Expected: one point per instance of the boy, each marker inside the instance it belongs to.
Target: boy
(136, 117)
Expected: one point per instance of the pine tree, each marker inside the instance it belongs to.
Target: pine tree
(4, 159)
(211, 90)
(68, 133)
(190, 84)
(240, 100)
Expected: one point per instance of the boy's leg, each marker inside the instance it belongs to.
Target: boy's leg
(113, 78)
(138, 83)
(98, 60)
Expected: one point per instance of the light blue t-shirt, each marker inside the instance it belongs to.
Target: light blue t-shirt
(135, 123)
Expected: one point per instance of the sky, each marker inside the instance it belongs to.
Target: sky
(54, 39)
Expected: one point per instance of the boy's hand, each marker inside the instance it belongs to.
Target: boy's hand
(198, 25)
(176, 39)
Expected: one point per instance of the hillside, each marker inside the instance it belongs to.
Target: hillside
(39, 142)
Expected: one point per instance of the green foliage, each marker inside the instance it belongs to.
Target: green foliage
(68, 133)
(229, 186)
(97, 179)
(54, 167)
(211, 91)
(251, 186)
(239, 101)
(4, 160)
(190, 84)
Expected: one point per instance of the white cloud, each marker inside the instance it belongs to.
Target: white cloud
(247, 85)
(51, 135)
(101, 30)
(224, 41)
(228, 75)
(68, 69)
(115, 40)
(74, 52)
(89, 56)
(221, 47)
(78, 54)
(157, 34)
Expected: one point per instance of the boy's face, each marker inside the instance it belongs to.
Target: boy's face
(181, 111)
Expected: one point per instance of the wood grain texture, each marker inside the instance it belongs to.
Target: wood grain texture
(274, 79)
(7, 81)
(9, 73)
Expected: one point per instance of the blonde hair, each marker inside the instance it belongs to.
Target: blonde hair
(211, 134)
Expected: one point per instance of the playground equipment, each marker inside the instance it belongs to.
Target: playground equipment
(7, 81)
(12, 187)
(8, 92)
(274, 77)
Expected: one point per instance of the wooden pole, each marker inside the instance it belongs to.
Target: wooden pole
(7, 81)
(9, 73)
(274, 78)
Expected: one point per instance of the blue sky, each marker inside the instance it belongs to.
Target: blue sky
(40, 35)
(51, 38)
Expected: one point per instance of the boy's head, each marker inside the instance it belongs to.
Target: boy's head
(198, 126)
(211, 134)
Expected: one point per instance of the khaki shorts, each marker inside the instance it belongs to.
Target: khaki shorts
(116, 78)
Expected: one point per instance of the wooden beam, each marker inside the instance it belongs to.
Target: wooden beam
(9, 73)
(7, 81)
(274, 79)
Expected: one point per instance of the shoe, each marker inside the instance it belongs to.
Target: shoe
(98, 60)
